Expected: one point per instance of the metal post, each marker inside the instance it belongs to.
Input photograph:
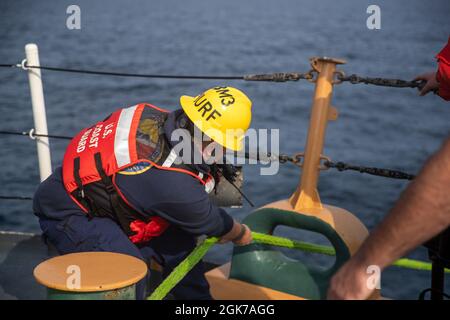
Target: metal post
(39, 116)
(306, 195)
(437, 279)
(439, 253)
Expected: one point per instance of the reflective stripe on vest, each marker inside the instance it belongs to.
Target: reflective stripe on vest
(121, 139)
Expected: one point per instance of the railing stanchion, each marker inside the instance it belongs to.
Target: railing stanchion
(306, 195)
(39, 115)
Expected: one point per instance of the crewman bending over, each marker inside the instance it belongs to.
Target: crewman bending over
(123, 188)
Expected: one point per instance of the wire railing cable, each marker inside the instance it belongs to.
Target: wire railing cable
(274, 77)
(8, 65)
(267, 156)
(271, 77)
(295, 159)
(136, 75)
(15, 198)
(264, 156)
(32, 134)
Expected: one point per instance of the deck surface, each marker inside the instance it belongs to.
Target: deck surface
(19, 254)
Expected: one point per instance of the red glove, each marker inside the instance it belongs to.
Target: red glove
(443, 74)
(146, 231)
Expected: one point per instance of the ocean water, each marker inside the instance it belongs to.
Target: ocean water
(384, 127)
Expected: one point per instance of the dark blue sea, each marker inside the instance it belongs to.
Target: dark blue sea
(383, 127)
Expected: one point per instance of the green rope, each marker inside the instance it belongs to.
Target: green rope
(180, 271)
(292, 244)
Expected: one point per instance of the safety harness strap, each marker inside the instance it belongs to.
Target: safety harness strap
(76, 175)
(83, 197)
(114, 198)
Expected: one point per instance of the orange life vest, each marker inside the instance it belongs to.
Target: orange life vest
(128, 138)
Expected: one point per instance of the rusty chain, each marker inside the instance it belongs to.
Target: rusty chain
(384, 82)
(381, 172)
(326, 163)
(280, 77)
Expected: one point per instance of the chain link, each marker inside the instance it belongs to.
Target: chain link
(295, 159)
(312, 76)
(280, 77)
(385, 82)
(326, 163)
(388, 173)
(339, 75)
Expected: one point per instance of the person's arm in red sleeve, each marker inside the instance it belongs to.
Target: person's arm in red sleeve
(443, 74)
(440, 80)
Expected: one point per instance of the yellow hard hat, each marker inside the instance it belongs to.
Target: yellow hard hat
(222, 113)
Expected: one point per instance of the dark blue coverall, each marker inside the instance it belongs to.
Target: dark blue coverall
(177, 197)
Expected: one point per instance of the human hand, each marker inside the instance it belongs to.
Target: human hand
(350, 283)
(245, 238)
(240, 234)
(431, 82)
